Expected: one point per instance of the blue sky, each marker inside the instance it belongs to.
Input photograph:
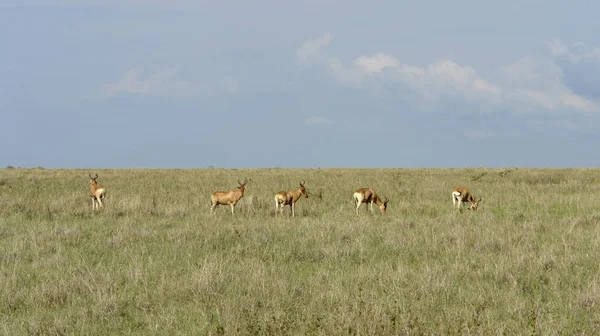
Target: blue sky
(192, 84)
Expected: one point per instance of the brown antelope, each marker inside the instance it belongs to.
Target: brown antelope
(368, 195)
(97, 192)
(290, 198)
(228, 197)
(460, 195)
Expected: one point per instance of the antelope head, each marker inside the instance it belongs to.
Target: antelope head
(242, 185)
(383, 206)
(93, 179)
(303, 189)
(475, 204)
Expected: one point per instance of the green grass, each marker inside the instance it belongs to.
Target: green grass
(155, 261)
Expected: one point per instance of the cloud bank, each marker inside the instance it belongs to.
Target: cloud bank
(576, 53)
(527, 85)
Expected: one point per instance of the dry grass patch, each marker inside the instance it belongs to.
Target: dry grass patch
(159, 263)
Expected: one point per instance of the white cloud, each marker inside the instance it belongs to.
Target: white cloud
(311, 49)
(310, 52)
(578, 102)
(317, 120)
(530, 71)
(377, 63)
(526, 85)
(539, 82)
(442, 77)
(445, 76)
(557, 48)
(162, 83)
(575, 53)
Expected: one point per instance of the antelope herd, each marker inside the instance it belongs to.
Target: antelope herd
(283, 198)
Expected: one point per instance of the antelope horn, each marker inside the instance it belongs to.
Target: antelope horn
(302, 183)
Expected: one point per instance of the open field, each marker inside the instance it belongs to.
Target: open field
(154, 261)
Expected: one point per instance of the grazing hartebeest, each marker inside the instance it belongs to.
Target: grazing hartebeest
(368, 195)
(460, 195)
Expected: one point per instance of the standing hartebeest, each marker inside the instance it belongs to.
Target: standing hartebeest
(290, 198)
(228, 197)
(97, 192)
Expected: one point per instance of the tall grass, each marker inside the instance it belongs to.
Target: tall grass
(155, 261)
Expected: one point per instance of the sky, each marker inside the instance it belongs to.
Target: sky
(265, 83)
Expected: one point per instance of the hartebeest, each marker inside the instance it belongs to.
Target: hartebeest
(290, 198)
(368, 195)
(97, 192)
(460, 195)
(228, 197)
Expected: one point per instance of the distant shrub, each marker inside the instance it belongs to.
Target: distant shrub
(478, 176)
(506, 171)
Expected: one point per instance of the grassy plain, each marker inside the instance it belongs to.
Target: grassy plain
(154, 261)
